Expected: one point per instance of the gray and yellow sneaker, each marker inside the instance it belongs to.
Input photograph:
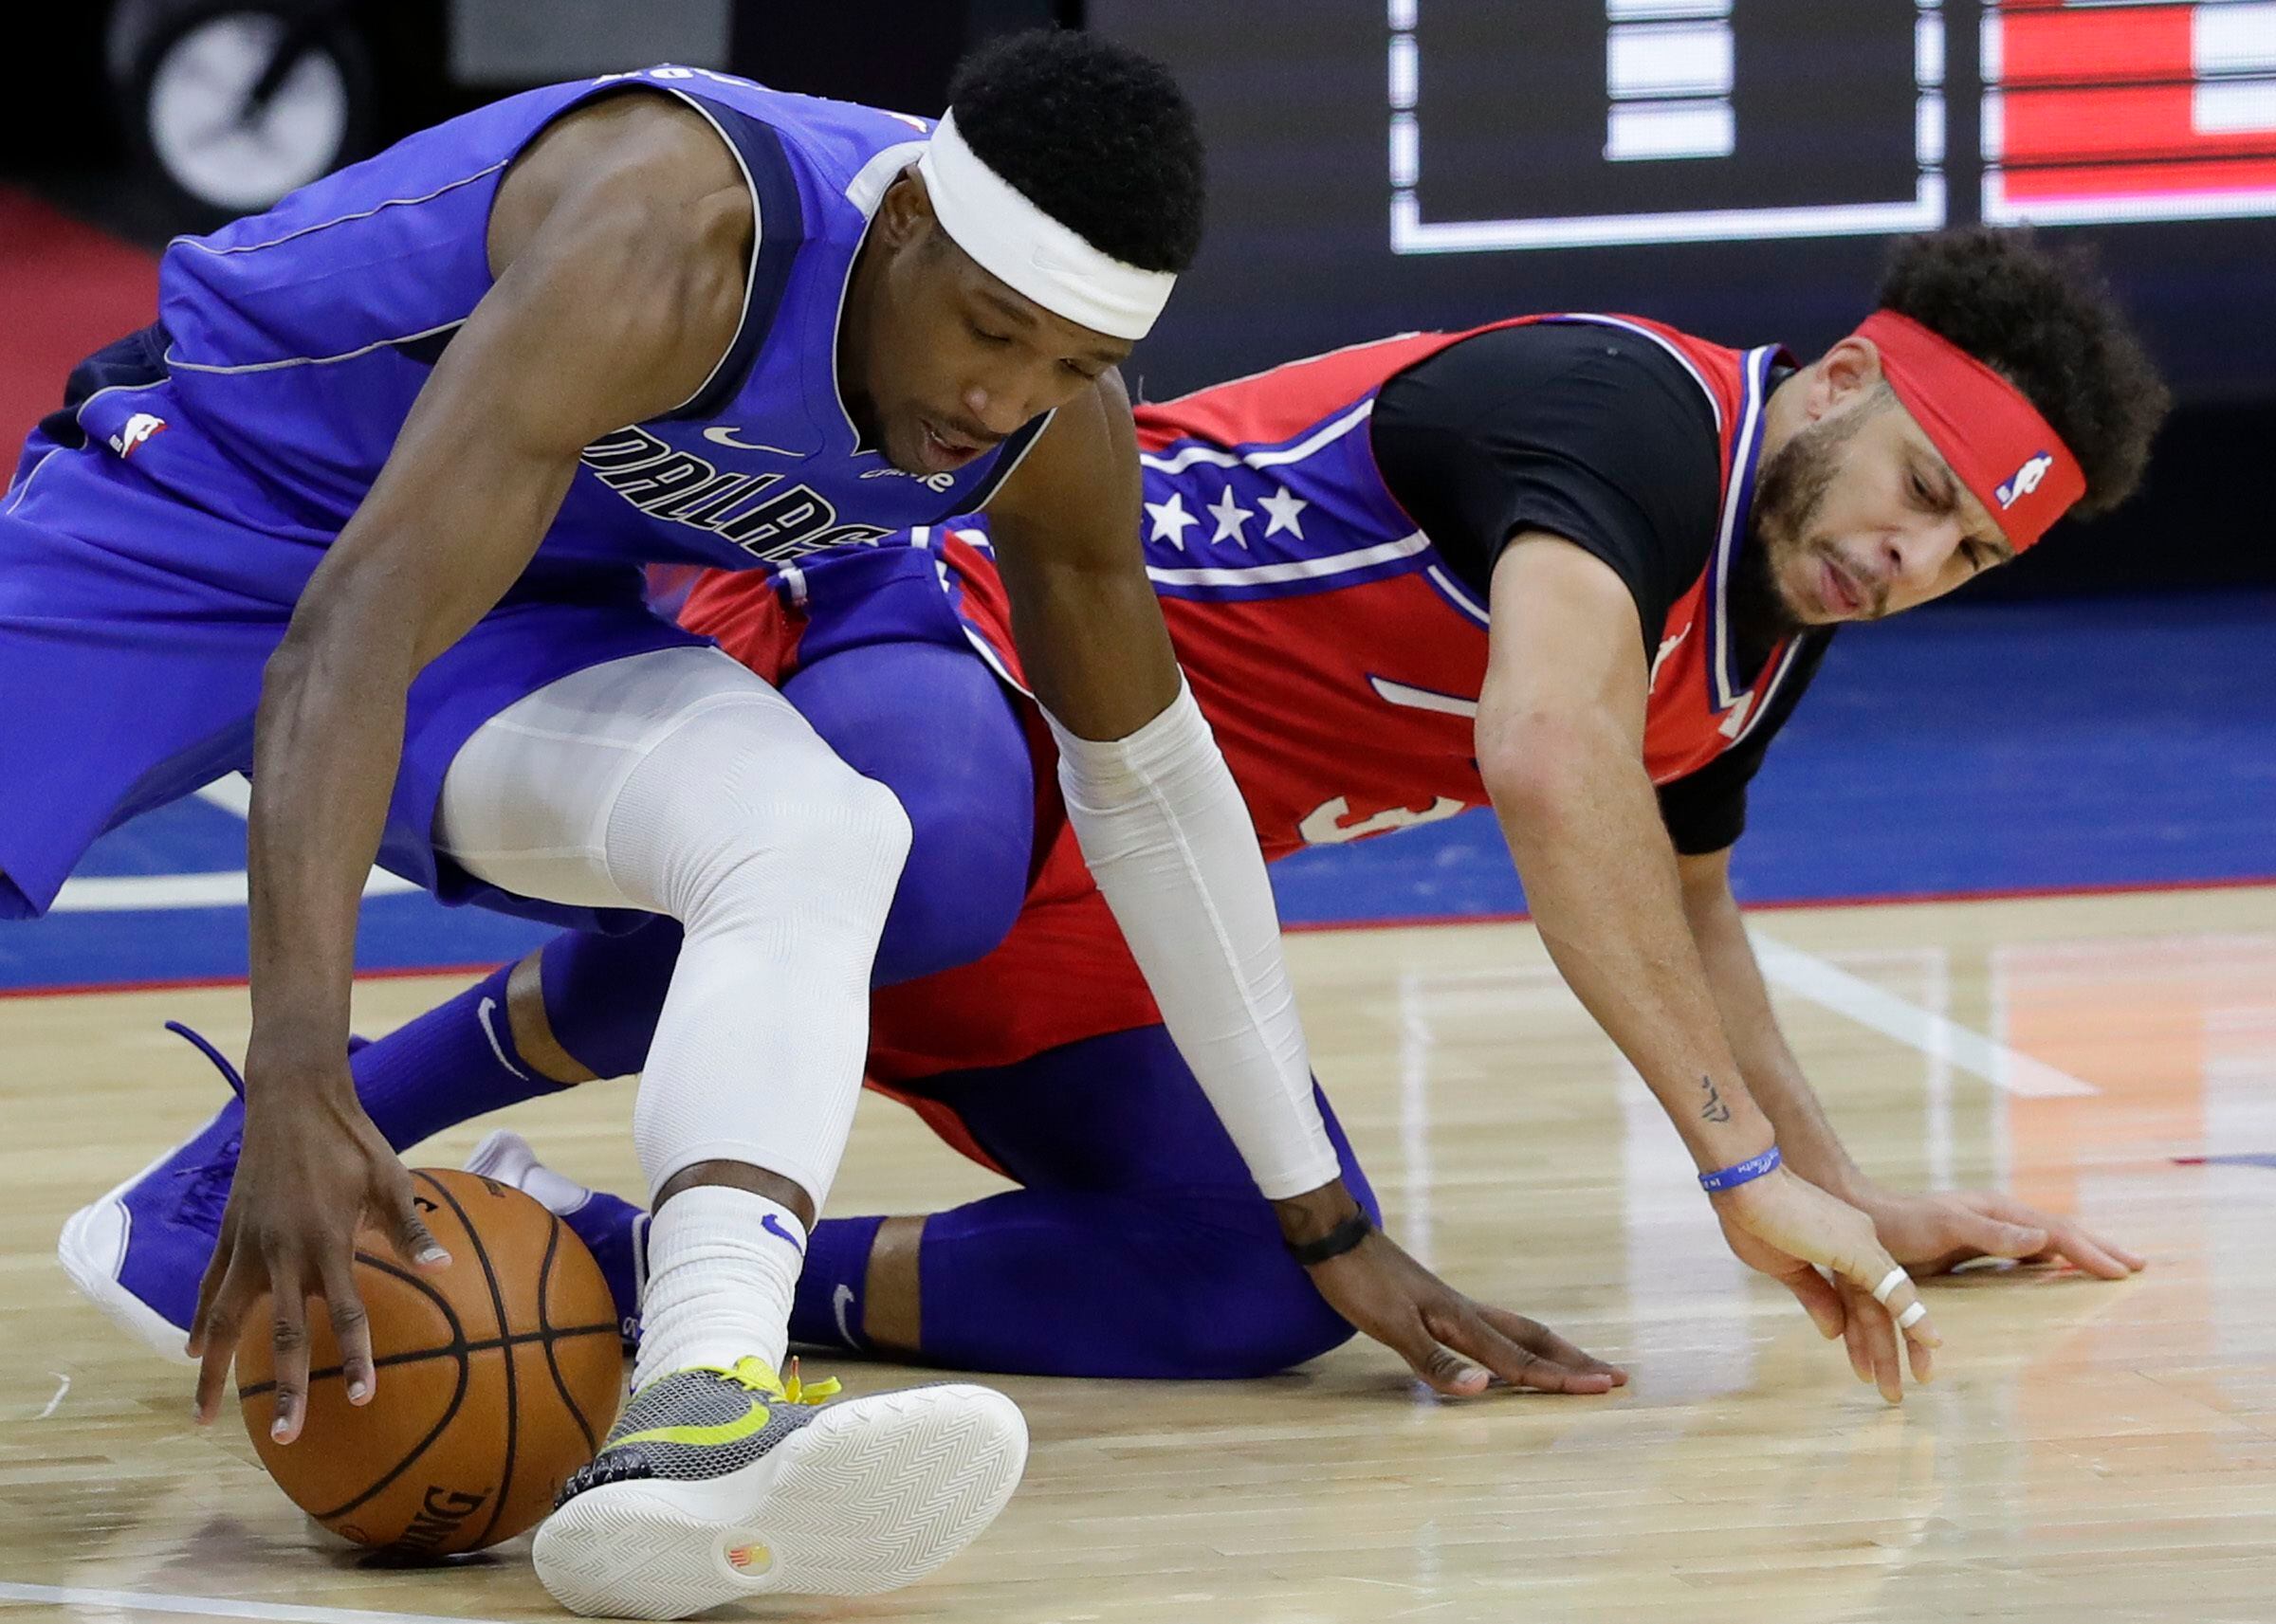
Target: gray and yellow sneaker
(717, 1485)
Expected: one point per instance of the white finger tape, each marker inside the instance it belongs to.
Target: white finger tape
(1912, 1316)
(1889, 1283)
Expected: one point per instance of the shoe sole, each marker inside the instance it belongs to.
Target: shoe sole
(92, 1249)
(872, 1495)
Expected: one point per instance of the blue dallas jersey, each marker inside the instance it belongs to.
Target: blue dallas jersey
(161, 526)
(290, 346)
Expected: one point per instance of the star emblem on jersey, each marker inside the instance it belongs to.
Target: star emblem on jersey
(1230, 516)
(1170, 521)
(1281, 509)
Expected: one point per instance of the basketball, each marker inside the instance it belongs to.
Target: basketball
(498, 1377)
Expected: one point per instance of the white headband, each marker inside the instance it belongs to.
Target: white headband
(1022, 246)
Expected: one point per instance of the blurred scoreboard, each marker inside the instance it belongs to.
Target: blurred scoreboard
(2129, 112)
(1734, 165)
(1548, 125)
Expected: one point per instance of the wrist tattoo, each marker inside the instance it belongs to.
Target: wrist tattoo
(1713, 1110)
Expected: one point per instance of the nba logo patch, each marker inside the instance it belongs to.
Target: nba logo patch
(141, 427)
(2025, 480)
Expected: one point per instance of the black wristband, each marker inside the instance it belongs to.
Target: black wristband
(1345, 1237)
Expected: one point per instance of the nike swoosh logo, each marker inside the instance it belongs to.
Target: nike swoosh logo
(724, 434)
(753, 1420)
(840, 1300)
(769, 1224)
(483, 1013)
(1422, 699)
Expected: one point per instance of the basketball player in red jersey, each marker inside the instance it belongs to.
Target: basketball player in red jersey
(1576, 568)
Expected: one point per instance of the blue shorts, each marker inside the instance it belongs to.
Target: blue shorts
(134, 629)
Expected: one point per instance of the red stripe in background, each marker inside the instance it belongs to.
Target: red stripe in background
(2086, 88)
(71, 290)
(192, 984)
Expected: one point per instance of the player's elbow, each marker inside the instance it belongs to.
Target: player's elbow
(316, 627)
(348, 626)
(1541, 766)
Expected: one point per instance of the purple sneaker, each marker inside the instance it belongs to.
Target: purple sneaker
(140, 1253)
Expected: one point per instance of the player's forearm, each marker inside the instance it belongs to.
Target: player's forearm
(1601, 881)
(327, 743)
(1169, 841)
(1774, 1077)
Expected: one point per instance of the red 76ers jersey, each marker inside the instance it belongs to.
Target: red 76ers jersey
(1337, 657)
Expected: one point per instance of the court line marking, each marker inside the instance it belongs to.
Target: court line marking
(233, 794)
(220, 1606)
(1827, 984)
(129, 893)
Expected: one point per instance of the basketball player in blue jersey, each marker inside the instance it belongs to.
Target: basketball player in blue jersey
(361, 513)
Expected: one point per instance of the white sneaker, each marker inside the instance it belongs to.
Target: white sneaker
(718, 1485)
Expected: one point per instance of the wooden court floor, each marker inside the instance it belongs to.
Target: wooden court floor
(2088, 1451)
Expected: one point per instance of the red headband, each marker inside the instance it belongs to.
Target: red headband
(1992, 435)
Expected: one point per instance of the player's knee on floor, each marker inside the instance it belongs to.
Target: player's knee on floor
(1249, 1309)
(1255, 1310)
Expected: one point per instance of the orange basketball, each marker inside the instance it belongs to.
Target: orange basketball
(498, 1377)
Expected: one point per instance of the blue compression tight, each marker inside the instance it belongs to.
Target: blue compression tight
(1137, 1246)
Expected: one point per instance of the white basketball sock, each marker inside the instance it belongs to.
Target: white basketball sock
(721, 1265)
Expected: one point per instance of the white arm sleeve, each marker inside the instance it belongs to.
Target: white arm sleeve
(1165, 833)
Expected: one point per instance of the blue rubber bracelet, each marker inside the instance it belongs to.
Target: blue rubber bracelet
(1740, 1172)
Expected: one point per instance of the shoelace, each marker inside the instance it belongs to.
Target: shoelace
(205, 1192)
(221, 1061)
(793, 1391)
(756, 1375)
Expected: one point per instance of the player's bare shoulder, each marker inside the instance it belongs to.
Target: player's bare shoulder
(645, 173)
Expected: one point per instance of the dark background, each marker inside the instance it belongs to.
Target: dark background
(1293, 99)
(1298, 258)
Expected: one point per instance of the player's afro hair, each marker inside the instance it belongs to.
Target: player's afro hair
(1095, 134)
(2046, 321)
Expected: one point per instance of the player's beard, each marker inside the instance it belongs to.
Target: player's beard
(1789, 489)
